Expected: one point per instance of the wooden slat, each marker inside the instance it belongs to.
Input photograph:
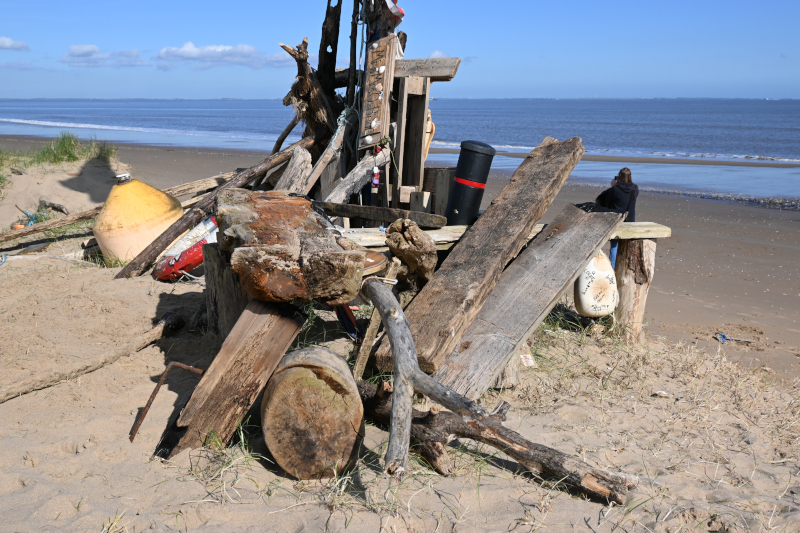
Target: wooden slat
(375, 238)
(451, 300)
(416, 123)
(239, 372)
(377, 89)
(437, 69)
(381, 214)
(526, 292)
(395, 172)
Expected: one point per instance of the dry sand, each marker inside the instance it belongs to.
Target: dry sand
(714, 445)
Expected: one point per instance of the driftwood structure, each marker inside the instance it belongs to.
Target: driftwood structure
(361, 158)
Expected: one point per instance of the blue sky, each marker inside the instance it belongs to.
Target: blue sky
(516, 48)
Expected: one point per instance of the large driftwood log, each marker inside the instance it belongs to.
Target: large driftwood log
(636, 265)
(382, 214)
(238, 373)
(450, 301)
(171, 321)
(296, 176)
(225, 297)
(311, 414)
(358, 177)
(431, 431)
(179, 190)
(191, 218)
(306, 95)
(530, 286)
(283, 250)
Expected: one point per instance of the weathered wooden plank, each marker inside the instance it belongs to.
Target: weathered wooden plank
(524, 295)
(295, 177)
(377, 88)
(358, 177)
(381, 214)
(416, 124)
(374, 238)
(451, 300)
(239, 372)
(395, 172)
(437, 69)
(635, 269)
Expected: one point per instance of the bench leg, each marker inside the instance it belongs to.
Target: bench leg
(636, 260)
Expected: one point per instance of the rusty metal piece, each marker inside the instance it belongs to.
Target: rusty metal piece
(143, 414)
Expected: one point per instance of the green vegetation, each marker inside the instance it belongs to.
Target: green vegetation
(63, 149)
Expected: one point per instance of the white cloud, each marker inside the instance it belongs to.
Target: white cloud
(17, 65)
(89, 55)
(437, 54)
(213, 55)
(7, 43)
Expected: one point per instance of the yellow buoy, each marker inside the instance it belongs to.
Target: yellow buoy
(132, 217)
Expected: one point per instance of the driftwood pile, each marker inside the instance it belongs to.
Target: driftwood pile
(466, 319)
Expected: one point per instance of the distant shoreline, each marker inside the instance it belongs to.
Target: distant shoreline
(649, 160)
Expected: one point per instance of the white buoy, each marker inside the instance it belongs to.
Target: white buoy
(596, 288)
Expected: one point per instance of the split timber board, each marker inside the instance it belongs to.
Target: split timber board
(526, 292)
(451, 300)
(375, 238)
(247, 359)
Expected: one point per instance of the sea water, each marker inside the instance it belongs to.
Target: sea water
(709, 130)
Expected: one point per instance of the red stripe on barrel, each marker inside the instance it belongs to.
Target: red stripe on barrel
(469, 183)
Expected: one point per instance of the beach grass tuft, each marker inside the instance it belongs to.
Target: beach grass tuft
(65, 148)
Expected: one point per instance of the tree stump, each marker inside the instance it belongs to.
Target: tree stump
(312, 415)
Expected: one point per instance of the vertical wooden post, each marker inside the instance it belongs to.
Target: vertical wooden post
(417, 121)
(398, 144)
(225, 297)
(636, 260)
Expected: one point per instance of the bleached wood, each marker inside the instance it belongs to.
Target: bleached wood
(374, 238)
(634, 270)
(530, 286)
(296, 176)
(437, 69)
(225, 297)
(450, 301)
(358, 177)
(238, 373)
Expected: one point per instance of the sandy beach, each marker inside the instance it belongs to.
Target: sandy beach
(707, 431)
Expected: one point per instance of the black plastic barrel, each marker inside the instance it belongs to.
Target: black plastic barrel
(466, 193)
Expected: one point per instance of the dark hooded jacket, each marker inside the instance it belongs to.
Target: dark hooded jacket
(620, 198)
